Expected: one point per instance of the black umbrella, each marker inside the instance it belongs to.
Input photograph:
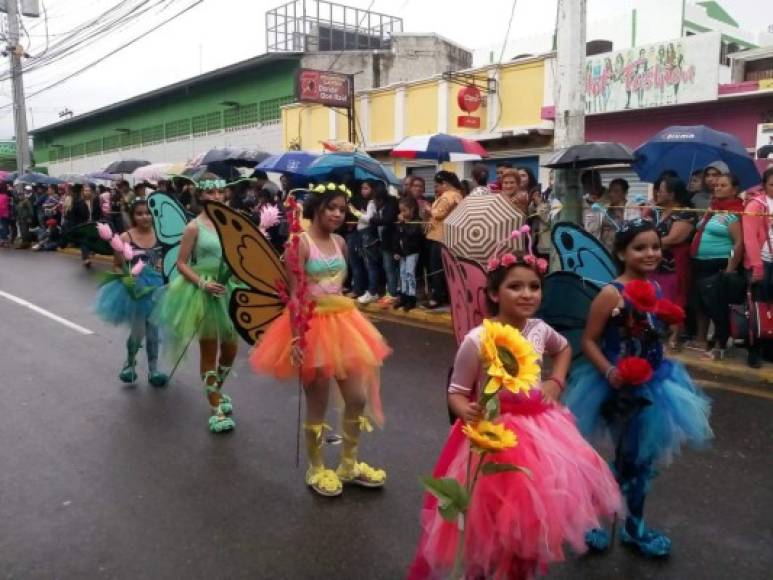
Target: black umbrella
(88, 236)
(125, 165)
(236, 156)
(590, 155)
(38, 179)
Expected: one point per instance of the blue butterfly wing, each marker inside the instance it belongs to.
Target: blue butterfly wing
(169, 221)
(583, 254)
(566, 301)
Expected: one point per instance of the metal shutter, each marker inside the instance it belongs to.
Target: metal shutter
(635, 185)
(426, 172)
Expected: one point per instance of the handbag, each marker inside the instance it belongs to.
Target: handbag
(761, 320)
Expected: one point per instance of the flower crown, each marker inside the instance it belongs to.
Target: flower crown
(508, 259)
(322, 189)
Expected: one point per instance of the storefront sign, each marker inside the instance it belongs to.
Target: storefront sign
(323, 88)
(467, 121)
(469, 99)
(679, 71)
(7, 148)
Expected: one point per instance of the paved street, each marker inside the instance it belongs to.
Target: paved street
(98, 480)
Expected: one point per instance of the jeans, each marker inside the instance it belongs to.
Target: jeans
(408, 274)
(391, 269)
(5, 228)
(357, 263)
(374, 266)
(437, 276)
(85, 252)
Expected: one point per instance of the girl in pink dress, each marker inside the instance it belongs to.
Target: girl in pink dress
(516, 524)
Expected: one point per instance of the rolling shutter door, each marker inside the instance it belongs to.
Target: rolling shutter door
(635, 185)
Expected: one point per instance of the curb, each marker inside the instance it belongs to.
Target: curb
(94, 257)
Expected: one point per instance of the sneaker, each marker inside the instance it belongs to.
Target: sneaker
(386, 301)
(367, 298)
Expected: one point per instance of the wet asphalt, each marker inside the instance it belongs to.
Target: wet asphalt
(101, 480)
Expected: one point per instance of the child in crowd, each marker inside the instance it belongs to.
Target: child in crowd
(409, 244)
(51, 239)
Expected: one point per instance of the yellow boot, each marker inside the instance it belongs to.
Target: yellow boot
(322, 480)
(350, 470)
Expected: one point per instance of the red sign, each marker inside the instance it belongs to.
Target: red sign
(469, 99)
(469, 122)
(324, 88)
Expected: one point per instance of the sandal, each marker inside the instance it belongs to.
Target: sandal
(597, 539)
(360, 473)
(324, 482)
(647, 542)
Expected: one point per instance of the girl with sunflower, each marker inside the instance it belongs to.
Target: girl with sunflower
(516, 524)
(335, 344)
(629, 390)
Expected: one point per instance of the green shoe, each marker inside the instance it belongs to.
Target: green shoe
(157, 379)
(226, 404)
(219, 423)
(128, 375)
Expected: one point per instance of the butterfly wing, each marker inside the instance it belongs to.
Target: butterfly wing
(253, 260)
(583, 254)
(169, 221)
(566, 301)
(467, 290)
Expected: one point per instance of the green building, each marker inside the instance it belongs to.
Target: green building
(238, 105)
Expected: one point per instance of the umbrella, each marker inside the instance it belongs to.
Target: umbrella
(125, 166)
(73, 178)
(685, 149)
(439, 147)
(338, 166)
(236, 156)
(10, 177)
(292, 162)
(154, 172)
(590, 154)
(38, 178)
(479, 224)
(87, 235)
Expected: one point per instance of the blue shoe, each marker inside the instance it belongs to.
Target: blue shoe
(597, 539)
(157, 379)
(128, 375)
(648, 542)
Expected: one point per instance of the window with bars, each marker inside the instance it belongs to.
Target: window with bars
(53, 154)
(111, 142)
(179, 128)
(270, 110)
(153, 134)
(135, 138)
(230, 118)
(248, 114)
(214, 122)
(199, 124)
(126, 139)
(78, 150)
(64, 153)
(94, 146)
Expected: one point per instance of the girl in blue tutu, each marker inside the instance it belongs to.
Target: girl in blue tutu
(129, 293)
(628, 390)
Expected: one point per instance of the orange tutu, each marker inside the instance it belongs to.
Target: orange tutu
(341, 343)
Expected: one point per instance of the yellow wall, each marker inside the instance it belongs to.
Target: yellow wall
(421, 109)
(382, 118)
(521, 88)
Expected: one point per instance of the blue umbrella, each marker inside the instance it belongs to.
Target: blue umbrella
(291, 162)
(38, 178)
(337, 166)
(686, 149)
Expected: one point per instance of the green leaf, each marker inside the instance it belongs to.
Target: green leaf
(449, 512)
(492, 468)
(453, 497)
(492, 408)
(508, 360)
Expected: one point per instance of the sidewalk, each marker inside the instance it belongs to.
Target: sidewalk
(733, 370)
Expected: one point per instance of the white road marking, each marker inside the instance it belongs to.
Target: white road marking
(46, 313)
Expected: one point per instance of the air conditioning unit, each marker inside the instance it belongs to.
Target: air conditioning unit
(30, 8)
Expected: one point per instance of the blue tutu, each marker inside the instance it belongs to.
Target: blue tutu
(675, 411)
(116, 305)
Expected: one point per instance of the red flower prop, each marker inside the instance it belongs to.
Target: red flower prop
(300, 307)
(669, 312)
(634, 370)
(641, 294)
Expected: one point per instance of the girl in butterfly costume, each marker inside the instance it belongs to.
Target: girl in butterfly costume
(195, 304)
(629, 390)
(516, 524)
(339, 344)
(128, 294)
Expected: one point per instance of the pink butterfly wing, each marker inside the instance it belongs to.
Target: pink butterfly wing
(467, 290)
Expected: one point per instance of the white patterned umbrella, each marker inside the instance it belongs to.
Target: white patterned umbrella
(479, 224)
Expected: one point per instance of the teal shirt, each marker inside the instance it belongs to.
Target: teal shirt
(716, 242)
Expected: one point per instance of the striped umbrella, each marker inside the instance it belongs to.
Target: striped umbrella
(439, 147)
(479, 224)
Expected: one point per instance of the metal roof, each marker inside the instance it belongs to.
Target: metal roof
(241, 66)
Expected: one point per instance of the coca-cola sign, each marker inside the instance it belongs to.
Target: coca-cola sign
(469, 99)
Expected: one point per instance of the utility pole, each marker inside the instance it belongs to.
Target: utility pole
(569, 97)
(15, 52)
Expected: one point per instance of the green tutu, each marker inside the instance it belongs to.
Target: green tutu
(186, 311)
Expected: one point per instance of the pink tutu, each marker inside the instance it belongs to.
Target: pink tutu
(517, 525)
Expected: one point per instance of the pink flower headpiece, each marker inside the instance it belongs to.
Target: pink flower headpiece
(508, 259)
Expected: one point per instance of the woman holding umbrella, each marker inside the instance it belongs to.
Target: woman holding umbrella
(448, 191)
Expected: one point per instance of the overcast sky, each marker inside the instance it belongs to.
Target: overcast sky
(219, 32)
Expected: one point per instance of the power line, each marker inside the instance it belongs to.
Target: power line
(499, 65)
(111, 53)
